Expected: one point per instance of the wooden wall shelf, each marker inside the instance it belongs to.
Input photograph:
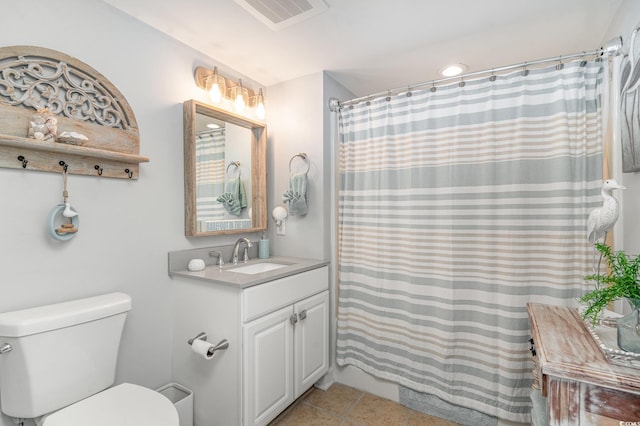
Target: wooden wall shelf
(81, 99)
(46, 156)
(65, 149)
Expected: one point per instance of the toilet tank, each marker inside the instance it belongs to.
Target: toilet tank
(60, 354)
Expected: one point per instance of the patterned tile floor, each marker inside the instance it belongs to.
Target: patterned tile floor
(342, 405)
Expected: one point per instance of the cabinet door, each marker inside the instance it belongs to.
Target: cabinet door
(311, 341)
(267, 367)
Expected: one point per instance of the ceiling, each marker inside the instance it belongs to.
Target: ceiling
(370, 46)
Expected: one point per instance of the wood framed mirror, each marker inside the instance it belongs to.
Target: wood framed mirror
(225, 173)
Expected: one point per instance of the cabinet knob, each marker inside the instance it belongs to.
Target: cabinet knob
(303, 315)
(293, 319)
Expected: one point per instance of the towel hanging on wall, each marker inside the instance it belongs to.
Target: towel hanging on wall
(296, 195)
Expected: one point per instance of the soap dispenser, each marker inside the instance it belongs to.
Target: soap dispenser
(263, 247)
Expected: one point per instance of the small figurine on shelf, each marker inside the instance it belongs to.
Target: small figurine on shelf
(43, 125)
(52, 128)
(37, 128)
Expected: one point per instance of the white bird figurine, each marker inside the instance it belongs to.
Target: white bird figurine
(68, 211)
(603, 218)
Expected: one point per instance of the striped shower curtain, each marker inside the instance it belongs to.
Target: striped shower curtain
(456, 208)
(210, 173)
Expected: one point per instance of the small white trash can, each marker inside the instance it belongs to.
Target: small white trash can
(182, 398)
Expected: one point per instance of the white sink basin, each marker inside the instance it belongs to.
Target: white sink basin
(257, 268)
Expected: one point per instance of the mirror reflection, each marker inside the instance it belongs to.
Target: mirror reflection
(224, 172)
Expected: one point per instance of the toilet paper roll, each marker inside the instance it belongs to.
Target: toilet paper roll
(203, 348)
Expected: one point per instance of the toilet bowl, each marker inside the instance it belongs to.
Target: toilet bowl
(122, 405)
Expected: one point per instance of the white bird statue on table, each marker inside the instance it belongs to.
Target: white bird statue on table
(603, 218)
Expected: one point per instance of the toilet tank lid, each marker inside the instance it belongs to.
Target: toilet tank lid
(51, 317)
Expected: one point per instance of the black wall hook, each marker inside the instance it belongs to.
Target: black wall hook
(99, 169)
(129, 172)
(64, 165)
(24, 161)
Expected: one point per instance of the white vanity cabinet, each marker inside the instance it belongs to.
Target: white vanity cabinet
(278, 333)
(285, 347)
(286, 352)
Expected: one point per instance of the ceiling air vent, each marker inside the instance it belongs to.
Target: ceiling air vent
(278, 14)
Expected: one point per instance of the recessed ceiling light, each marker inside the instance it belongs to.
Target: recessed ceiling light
(453, 70)
(213, 126)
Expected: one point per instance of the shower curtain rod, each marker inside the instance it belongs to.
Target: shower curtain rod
(610, 48)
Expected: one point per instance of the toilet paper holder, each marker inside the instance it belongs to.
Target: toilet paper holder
(222, 344)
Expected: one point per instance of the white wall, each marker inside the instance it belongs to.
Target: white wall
(295, 121)
(126, 227)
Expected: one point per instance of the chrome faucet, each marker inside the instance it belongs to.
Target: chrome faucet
(236, 247)
(220, 262)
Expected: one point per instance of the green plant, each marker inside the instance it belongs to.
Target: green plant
(620, 281)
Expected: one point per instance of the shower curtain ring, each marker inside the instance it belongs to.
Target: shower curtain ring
(560, 65)
(525, 71)
(433, 86)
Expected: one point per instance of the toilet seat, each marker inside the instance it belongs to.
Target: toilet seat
(122, 405)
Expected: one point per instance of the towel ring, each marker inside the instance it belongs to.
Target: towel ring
(304, 158)
(234, 163)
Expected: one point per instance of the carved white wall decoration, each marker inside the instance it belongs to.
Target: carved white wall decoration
(83, 102)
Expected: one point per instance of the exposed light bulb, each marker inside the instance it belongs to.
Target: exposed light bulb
(215, 93)
(260, 112)
(239, 102)
(240, 105)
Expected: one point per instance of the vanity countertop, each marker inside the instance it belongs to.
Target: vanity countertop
(225, 275)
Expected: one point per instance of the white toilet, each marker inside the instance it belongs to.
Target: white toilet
(57, 360)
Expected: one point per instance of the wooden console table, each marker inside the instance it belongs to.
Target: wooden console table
(580, 386)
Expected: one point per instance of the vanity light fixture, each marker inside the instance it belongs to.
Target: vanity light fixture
(453, 70)
(221, 88)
